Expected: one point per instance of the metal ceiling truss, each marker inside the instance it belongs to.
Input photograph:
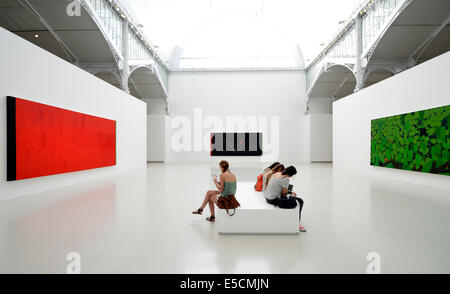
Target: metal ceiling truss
(415, 56)
(359, 65)
(70, 55)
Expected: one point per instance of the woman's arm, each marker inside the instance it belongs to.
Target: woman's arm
(285, 186)
(222, 183)
(285, 192)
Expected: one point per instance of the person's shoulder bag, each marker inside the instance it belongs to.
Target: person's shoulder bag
(228, 202)
(259, 183)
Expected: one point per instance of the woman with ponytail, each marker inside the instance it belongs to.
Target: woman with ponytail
(225, 186)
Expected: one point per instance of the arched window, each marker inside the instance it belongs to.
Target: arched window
(239, 42)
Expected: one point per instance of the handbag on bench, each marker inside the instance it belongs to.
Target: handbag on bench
(228, 202)
(259, 183)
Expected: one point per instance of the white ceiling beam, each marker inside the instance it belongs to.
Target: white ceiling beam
(72, 57)
(130, 79)
(340, 86)
(419, 51)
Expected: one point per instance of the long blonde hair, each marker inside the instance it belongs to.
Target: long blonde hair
(270, 167)
(278, 168)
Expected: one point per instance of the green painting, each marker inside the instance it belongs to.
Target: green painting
(416, 141)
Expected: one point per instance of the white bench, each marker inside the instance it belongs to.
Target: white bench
(255, 215)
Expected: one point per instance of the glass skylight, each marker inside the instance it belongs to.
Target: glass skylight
(240, 33)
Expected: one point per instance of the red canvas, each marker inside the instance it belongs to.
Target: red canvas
(51, 140)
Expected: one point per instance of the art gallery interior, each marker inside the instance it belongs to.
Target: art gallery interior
(111, 111)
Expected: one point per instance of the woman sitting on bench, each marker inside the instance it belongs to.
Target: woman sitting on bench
(278, 187)
(268, 175)
(226, 186)
(262, 178)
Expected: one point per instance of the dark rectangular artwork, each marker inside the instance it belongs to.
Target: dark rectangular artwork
(236, 144)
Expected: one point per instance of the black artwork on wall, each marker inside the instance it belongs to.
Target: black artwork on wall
(236, 144)
(11, 138)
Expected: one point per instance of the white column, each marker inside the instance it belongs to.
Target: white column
(359, 69)
(125, 72)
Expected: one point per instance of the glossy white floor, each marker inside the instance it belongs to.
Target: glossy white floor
(141, 222)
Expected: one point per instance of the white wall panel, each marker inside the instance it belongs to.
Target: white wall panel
(28, 72)
(422, 87)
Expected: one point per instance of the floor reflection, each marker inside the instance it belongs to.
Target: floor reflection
(141, 222)
(52, 230)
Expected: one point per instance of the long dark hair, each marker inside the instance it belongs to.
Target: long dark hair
(290, 171)
(271, 166)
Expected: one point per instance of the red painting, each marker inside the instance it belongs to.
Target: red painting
(46, 140)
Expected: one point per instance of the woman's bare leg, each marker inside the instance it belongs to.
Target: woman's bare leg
(212, 201)
(208, 196)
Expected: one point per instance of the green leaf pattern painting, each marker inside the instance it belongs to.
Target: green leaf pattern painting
(416, 141)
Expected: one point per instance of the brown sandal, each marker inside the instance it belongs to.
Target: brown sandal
(198, 211)
(211, 219)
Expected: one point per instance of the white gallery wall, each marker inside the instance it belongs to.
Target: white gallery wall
(422, 87)
(156, 129)
(320, 130)
(156, 137)
(271, 102)
(155, 105)
(320, 137)
(323, 105)
(28, 72)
